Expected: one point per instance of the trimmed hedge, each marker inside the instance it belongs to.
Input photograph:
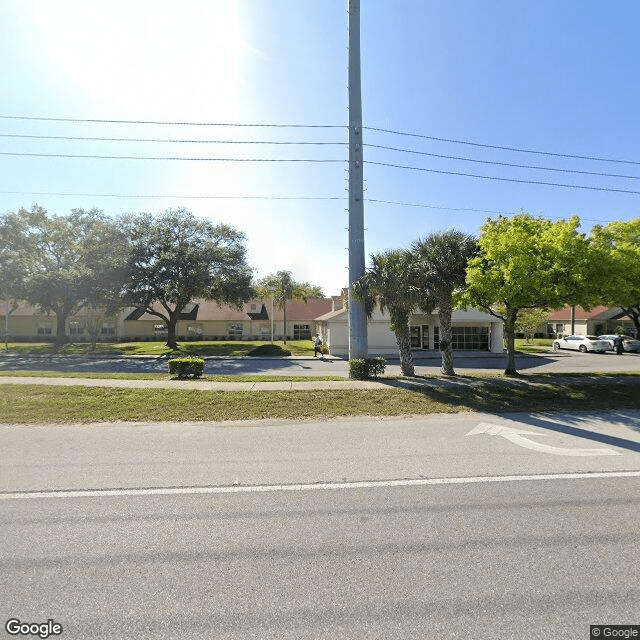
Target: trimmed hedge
(267, 350)
(186, 367)
(361, 369)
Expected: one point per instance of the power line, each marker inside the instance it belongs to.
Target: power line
(170, 140)
(429, 206)
(319, 126)
(281, 198)
(473, 175)
(115, 195)
(164, 122)
(465, 210)
(69, 155)
(501, 148)
(294, 143)
(504, 164)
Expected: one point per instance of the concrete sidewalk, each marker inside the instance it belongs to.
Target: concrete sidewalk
(204, 385)
(344, 385)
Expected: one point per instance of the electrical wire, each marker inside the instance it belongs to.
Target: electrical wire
(281, 198)
(164, 122)
(501, 148)
(169, 140)
(294, 143)
(473, 175)
(503, 164)
(115, 195)
(101, 157)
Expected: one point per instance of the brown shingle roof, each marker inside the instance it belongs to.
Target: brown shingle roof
(581, 314)
(211, 311)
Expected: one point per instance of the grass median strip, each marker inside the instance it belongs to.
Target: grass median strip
(107, 375)
(43, 403)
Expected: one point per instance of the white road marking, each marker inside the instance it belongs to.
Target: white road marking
(320, 486)
(517, 437)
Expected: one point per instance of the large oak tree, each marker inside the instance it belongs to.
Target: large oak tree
(62, 263)
(176, 258)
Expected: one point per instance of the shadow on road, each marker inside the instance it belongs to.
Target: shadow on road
(569, 424)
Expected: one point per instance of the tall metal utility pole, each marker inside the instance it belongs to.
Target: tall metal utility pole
(357, 318)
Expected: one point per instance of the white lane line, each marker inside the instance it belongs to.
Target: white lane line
(320, 486)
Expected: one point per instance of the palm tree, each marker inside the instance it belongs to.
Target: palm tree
(440, 263)
(386, 283)
(282, 287)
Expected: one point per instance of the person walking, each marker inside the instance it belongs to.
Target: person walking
(618, 344)
(317, 345)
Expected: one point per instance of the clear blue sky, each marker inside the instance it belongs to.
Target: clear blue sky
(553, 75)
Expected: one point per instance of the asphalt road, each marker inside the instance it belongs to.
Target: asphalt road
(505, 560)
(448, 526)
(565, 362)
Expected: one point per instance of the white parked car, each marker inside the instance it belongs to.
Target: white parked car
(581, 343)
(628, 343)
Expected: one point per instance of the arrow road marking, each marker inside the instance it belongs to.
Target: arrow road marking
(517, 436)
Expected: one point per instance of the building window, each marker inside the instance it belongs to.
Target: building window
(470, 338)
(75, 329)
(44, 330)
(159, 328)
(415, 337)
(302, 332)
(108, 329)
(436, 338)
(195, 331)
(235, 331)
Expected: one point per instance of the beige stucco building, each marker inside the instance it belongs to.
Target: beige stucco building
(473, 330)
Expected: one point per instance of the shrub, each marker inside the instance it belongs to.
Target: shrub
(186, 367)
(269, 350)
(358, 369)
(324, 349)
(377, 366)
(361, 369)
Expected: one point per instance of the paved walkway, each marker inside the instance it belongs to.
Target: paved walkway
(380, 383)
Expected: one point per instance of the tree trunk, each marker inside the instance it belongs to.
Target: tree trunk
(403, 339)
(61, 321)
(172, 322)
(444, 318)
(510, 335)
(284, 316)
(635, 317)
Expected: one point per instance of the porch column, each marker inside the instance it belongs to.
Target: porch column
(497, 337)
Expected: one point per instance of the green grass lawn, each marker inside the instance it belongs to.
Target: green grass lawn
(535, 345)
(112, 375)
(43, 403)
(209, 348)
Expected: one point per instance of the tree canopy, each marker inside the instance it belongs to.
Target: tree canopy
(177, 257)
(62, 263)
(618, 248)
(439, 271)
(282, 287)
(387, 283)
(527, 262)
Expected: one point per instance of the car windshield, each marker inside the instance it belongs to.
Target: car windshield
(592, 338)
